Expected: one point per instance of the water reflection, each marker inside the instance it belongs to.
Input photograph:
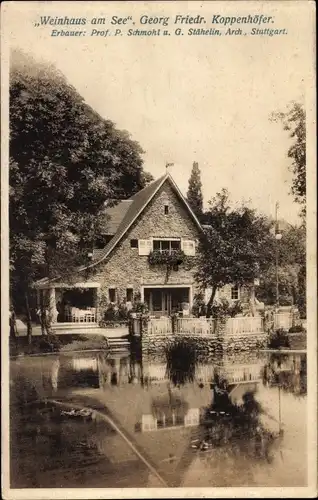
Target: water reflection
(182, 414)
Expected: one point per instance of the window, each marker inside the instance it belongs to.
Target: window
(166, 245)
(235, 292)
(133, 243)
(102, 241)
(129, 294)
(112, 294)
(166, 209)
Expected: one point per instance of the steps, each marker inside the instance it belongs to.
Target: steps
(118, 343)
(74, 326)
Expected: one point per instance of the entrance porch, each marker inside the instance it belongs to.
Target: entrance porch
(165, 300)
(70, 303)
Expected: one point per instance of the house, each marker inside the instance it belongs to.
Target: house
(147, 252)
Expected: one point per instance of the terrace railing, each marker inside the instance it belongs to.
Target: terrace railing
(195, 326)
(244, 325)
(160, 326)
(283, 320)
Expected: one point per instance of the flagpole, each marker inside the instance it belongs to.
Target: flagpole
(277, 238)
(168, 165)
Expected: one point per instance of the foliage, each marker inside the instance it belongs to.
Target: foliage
(140, 308)
(49, 343)
(297, 329)
(199, 306)
(181, 361)
(65, 162)
(115, 313)
(194, 194)
(287, 285)
(294, 121)
(165, 257)
(223, 308)
(291, 271)
(279, 339)
(236, 247)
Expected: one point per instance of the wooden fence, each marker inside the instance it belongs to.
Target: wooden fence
(283, 320)
(240, 325)
(244, 325)
(195, 326)
(160, 326)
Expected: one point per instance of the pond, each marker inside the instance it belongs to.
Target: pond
(131, 420)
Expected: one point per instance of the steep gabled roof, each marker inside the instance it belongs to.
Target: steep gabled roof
(139, 202)
(114, 215)
(125, 213)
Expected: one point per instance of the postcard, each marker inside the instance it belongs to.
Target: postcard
(159, 329)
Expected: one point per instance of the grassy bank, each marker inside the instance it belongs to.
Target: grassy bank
(56, 343)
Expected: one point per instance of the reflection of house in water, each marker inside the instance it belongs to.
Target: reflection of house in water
(90, 371)
(289, 371)
(170, 419)
(241, 367)
(100, 370)
(233, 369)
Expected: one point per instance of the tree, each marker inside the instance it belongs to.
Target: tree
(291, 271)
(294, 121)
(194, 194)
(236, 247)
(65, 162)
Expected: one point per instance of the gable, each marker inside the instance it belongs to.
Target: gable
(165, 216)
(139, 209)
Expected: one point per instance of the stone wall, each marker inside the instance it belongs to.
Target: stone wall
(220, 341)
(212, 344)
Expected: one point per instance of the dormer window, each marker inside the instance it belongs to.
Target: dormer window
(167, 245)
(166, 208)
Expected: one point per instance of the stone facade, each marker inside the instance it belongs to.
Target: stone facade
(125, 268)
(213, 344)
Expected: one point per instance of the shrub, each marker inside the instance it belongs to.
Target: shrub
(48, 343)
(297, 329)
(122, 313)
(279, 339)
(222, 309)
(110, 313)
(140, 307)
(173, 258)
(199, 308)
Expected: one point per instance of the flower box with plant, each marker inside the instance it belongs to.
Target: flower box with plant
(166, 257)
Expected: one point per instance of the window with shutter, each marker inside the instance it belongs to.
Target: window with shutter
(145, 247)
(188, 246)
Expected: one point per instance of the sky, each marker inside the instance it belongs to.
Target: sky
(186, 99)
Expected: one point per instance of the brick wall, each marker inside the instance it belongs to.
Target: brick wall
(126, 268)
